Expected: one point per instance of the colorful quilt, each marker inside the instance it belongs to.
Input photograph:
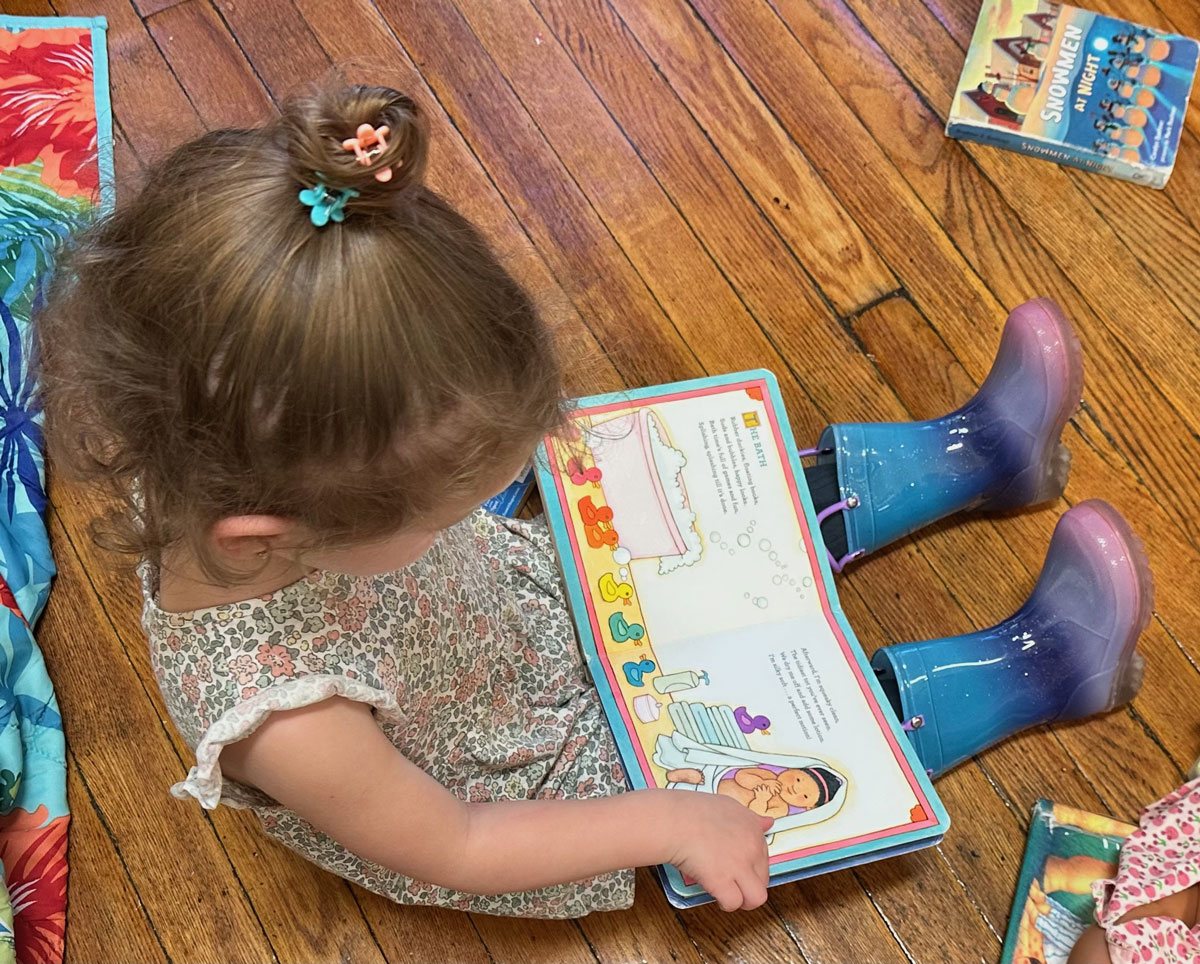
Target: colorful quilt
(55, 173)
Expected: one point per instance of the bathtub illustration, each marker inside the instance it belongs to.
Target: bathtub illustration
(643, 485)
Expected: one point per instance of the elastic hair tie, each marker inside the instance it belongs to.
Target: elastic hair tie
(327, 205)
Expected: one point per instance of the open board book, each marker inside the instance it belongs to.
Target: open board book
(712, 629)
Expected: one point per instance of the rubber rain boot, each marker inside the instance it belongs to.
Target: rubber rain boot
(1068, 653)
(1000, 450)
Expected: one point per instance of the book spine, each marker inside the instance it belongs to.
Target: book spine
(1059, 154)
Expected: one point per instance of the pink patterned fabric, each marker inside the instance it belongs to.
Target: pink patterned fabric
(1161, 858)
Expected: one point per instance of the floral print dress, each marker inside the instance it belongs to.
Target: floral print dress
(469, 659)
(1160, 858)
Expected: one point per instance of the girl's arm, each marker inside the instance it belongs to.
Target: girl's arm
(331, 764)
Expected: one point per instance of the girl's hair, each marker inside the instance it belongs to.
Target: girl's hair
(207, 351)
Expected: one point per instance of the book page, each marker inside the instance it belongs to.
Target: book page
(713, 625)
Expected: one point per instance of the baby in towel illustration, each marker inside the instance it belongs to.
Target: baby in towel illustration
(796, 790)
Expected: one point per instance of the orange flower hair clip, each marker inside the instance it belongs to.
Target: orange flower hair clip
(369, 142)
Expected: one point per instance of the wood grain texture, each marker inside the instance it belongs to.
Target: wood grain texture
(690, 186)
(199, 47)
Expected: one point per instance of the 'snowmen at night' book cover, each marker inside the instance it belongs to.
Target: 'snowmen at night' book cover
(1076, 88)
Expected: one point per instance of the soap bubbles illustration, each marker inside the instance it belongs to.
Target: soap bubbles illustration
(621, 556)
(743, 540)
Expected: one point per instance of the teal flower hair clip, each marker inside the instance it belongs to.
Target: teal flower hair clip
(327, 205)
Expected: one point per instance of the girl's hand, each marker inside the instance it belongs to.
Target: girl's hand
(722, 845)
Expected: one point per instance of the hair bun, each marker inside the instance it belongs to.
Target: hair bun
(316, 127)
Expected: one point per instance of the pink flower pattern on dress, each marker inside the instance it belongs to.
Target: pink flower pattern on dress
(243, 668)
(470, 660)
(277, 658)
(1160, 858)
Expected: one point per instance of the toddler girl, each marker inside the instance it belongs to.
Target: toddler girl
(301, 372)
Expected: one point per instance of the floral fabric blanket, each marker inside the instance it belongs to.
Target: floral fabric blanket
(55, 173)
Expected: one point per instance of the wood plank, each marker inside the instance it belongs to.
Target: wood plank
(420, 934)
(127, 168)
(1176, 15)
(307, 914)
(901, 231)
(739, 282)
(780, 186)
(27, 8)
(650, 930)
(147, 101)
(746, 936)
(103, 702)
(279, 43)
(105, 917)
(586, 150)
(214, 73)
(830, 921)
(960, 935)
(148, 8)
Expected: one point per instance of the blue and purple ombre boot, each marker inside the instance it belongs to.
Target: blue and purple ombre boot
(1068, 653)
(1001, 450)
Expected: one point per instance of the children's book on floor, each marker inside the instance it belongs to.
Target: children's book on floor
(1067, 850)
(1075, 87)
(712, 628)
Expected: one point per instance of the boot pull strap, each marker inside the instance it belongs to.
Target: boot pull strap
(850, 502)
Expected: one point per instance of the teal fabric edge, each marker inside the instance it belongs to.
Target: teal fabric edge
(103, 101)
(104, 116)
(26, 23)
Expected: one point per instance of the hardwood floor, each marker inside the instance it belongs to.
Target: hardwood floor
(691, 186)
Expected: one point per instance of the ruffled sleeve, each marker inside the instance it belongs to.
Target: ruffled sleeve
(205, 782)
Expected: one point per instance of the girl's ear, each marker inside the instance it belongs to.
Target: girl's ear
(245, 537)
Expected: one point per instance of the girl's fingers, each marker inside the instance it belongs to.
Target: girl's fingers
(754, 892)
(728, 896)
